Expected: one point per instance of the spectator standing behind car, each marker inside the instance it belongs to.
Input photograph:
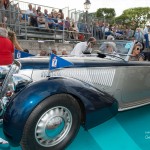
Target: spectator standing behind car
(138, 35)
(84, 47)
(38, 10)
(13, 38)
(67, 23)
(60, 21)
(4, 4)
(146, 36)
(6, 48)
(28, 12)
(73, 30)
(54, 16)
(33, 18)
(45, 13)
(96, 30)
(61, 14)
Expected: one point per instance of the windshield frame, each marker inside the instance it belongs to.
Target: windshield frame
(117, 53)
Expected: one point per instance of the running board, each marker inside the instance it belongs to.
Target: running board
(133, 105)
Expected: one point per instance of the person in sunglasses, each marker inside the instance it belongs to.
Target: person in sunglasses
(136, 54)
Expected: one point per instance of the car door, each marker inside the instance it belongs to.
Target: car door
(135, 85)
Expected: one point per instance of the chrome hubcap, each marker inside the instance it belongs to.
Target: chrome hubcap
(53, 126)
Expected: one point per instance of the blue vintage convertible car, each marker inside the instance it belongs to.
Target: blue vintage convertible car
(44, 109)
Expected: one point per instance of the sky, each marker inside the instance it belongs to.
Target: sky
(118, 5)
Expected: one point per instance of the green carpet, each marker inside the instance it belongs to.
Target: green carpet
(129, 130)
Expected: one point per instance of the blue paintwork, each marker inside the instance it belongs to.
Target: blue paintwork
(98, 106)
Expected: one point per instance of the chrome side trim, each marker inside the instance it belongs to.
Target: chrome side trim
(134, 105)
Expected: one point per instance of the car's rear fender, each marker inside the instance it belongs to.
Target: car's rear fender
(97, 106)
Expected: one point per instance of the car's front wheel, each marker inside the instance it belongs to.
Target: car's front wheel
(52, 124)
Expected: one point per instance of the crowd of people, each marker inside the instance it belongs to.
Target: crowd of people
(103, 31)
(36, 18)
(55, 19)
(49, 20)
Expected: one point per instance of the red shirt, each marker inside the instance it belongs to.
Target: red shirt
(6, 51)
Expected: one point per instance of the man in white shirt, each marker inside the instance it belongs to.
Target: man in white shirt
(84, 47)
(30, 10)
(28, 13)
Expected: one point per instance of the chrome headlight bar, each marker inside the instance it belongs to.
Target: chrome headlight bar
(13, 69)
(19, 82)
(16, 83)
(3, 71)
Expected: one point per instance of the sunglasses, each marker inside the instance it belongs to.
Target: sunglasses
(138, 48)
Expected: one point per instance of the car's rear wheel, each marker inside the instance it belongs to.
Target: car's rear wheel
(52, 124)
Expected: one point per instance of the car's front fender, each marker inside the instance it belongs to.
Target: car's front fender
(97, 106)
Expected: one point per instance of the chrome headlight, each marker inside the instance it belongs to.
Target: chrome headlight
(15, 83)
(19, 82)
(3, 71)
(12, 70)
(7, 87)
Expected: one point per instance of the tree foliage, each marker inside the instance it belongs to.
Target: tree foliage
(134, 17)
(108, 13)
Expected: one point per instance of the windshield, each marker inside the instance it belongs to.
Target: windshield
(119, 48)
